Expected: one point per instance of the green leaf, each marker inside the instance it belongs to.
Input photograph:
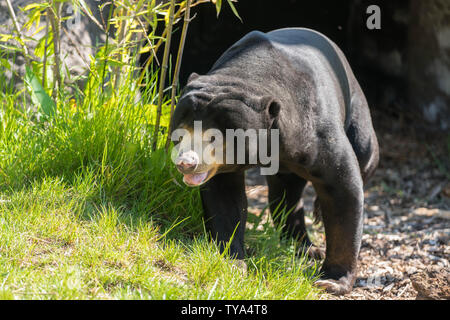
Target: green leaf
(85, 8)
(6, 37)
(5, 64)
(218, 6)
(38, 94)
(32, 6)
(233, 8)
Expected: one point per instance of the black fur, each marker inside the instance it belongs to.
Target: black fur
(298, 81)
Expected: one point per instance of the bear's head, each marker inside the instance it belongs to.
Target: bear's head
(221, 128)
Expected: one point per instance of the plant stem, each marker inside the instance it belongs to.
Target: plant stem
(121, 32)
(155, 49)
(44, 64)
(187, 19)
(55, 21)
(19, 33)
(162, 79)
(163, 36)
(105, 56)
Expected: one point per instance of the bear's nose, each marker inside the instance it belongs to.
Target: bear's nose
(187, 162)
(185, 166)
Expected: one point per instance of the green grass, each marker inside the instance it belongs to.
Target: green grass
(56, 244)
(88, 211)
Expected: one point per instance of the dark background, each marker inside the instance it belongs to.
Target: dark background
(392, 64)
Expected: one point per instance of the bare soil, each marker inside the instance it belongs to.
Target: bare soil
(405, 246)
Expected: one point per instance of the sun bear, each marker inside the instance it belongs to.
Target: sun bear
(292, 93)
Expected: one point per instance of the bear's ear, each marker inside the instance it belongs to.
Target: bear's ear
(193, 76)
(271, 106)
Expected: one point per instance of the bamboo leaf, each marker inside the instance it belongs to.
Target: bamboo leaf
(233, 8)
(218, 6)
(6, 37)
(5, 64)
(38, 94)
(32, 6)
(85, 9)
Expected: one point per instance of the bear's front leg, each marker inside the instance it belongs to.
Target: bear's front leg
(341, 198)
(225, 208)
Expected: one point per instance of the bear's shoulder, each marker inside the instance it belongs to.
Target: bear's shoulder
(251, 41)
(254, 36)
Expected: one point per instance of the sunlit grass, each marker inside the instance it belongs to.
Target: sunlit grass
(59, 242)
(89, 211)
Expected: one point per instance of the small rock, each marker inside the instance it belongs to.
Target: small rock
(411, 270)
(388, 288)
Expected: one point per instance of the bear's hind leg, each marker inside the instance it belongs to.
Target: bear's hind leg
(362, 137)
(341, 197)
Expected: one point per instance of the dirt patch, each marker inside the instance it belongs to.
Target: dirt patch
(432, 284)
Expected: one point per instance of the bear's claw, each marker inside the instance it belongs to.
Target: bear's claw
(334, 286)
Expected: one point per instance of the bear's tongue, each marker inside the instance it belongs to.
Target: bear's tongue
(195, 179)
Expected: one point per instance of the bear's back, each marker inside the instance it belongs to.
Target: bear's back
(285, 54)
(316, 50)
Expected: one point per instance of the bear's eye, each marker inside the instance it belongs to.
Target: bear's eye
(176, 142)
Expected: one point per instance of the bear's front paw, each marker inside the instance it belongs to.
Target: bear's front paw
(336, 287)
